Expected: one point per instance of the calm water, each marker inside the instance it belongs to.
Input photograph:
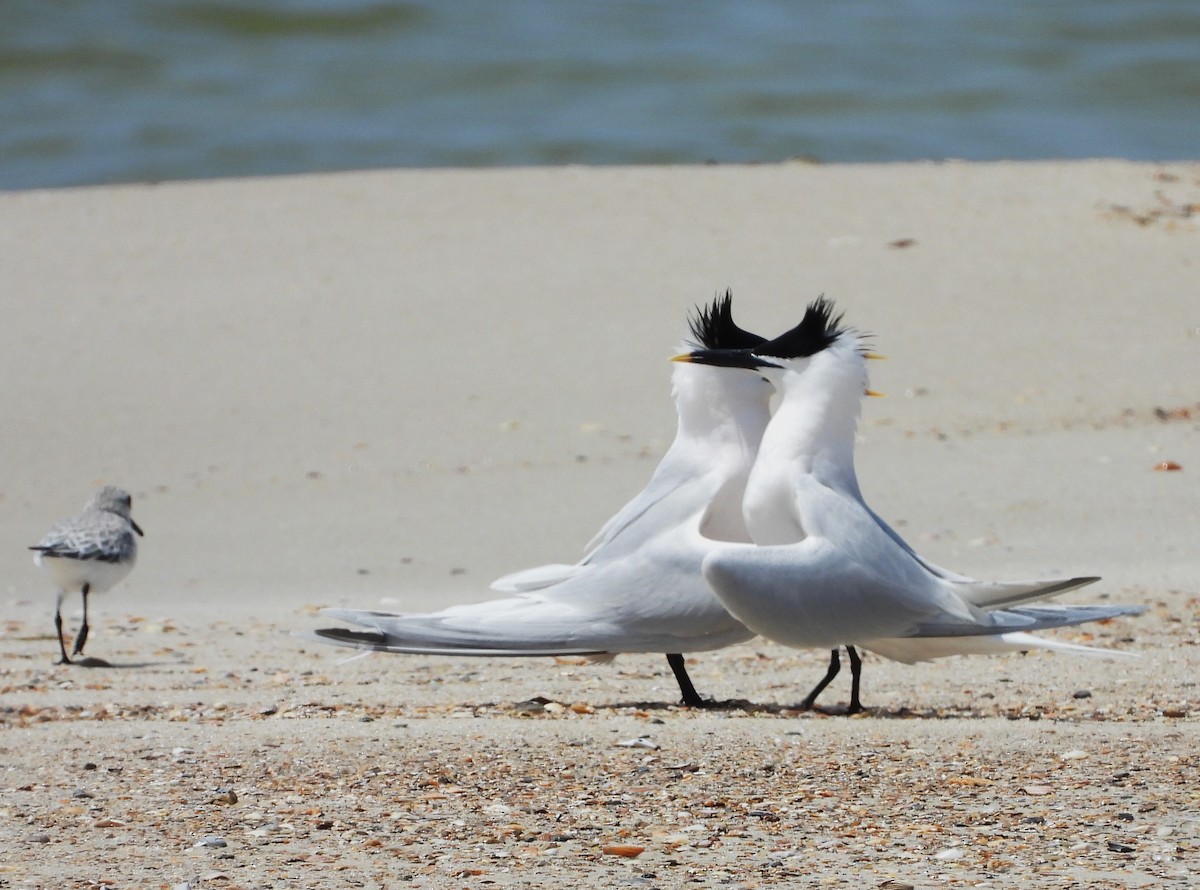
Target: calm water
(95, 91)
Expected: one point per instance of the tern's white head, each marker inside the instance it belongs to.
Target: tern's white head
(820, 357)
(710, 397)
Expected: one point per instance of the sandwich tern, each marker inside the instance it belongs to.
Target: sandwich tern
(639, 586)
(828, 571)
(90, 553)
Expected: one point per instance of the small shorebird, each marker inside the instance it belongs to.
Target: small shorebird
(90, 553)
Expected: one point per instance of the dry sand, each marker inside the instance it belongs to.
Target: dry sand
(391, 387)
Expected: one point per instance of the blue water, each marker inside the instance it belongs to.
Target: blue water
(100, 91)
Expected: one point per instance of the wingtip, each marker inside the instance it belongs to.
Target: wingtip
(1073, 583)
(341, 636)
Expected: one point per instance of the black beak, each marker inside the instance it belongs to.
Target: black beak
(726, 358)
(137, 528)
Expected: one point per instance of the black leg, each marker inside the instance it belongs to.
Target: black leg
(83, 629)
(691, 697)
(855, 681)
(835, 665)
(58, 631)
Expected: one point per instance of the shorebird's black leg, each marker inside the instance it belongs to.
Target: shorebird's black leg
(83, 628)
(691, 697)
(855, 681)
(835, 665)
(58, 631)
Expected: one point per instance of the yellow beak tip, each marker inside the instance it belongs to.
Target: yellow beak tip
(683, 357)
(875, 395)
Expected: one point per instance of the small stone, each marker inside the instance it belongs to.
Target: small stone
(629, 851)
(211, 841)
(1074, 755)
(38, 837)
(82, 794)
(893, 884)
(1120, 848)
(950, 854)
(1081, 693)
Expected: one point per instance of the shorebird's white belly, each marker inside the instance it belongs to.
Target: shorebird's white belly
(72, 574)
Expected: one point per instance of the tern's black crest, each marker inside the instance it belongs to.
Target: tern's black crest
(819, 329)
(713, 327)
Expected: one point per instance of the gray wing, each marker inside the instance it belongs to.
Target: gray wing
(814, 594)
(1025, 618)
(377, 641)
(653, 600)
(676, 491)
(99, 536)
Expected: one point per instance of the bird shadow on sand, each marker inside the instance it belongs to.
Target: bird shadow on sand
(93, 663)
(746, 706)
(732, 704)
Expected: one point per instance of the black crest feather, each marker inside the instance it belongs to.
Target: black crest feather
(818, 330)
(713, 328)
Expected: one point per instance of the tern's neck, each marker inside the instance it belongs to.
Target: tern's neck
(721, 406)
(811, 433)
(814, 426)
(722, 415)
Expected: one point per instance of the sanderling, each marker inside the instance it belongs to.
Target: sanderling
(90, 553)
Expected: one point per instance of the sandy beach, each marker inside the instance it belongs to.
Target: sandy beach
(385, 389)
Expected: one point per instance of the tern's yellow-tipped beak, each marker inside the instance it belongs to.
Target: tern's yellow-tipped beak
(874, 395)
(683, 357)
(875, 355)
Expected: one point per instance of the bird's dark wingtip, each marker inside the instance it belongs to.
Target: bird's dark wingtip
(362, 639)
